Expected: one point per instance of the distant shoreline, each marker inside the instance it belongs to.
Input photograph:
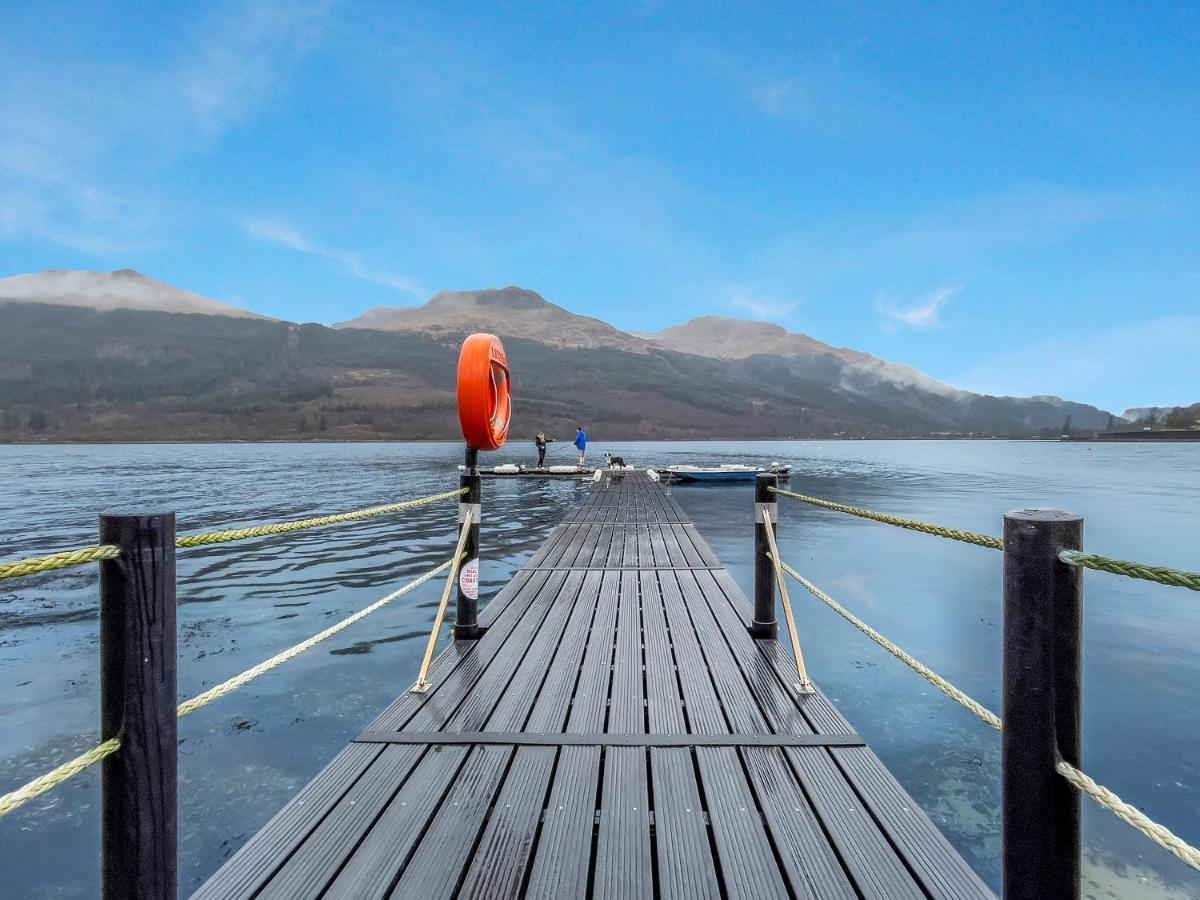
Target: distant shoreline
(1135, 437)
(514, 442)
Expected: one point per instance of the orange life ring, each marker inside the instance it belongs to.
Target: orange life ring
(484, 398)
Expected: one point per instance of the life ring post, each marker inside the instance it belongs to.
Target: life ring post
(466, 617)
(484, 392)
(484, 414)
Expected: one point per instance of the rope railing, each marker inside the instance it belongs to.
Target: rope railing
(228, 687)
(50, 780)
(56, 776)
(1130, 815)
(70, 558)
(962, 699)
(67, 559)
(954, 534)
(241, 534)
(1159, 574)
(1081, 781)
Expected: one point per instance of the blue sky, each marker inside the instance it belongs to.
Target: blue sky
(1007, 198)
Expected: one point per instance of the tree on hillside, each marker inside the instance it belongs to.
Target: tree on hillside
(1179, 417)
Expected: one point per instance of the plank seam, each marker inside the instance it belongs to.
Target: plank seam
(606, 739)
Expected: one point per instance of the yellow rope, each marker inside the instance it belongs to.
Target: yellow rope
(228, 687)
(803, 685)
(422, 684)
(55, 777)
(240, 534)
(954, 534)
(35, 565)
(1160, 574)
(921, 669)
(1130, 815)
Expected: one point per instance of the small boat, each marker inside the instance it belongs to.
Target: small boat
(726, 472)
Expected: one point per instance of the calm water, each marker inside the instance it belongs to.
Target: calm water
(242, 758)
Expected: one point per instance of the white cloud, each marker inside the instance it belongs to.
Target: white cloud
(286, 235)
(760, 307)
(237, 60)
(965, 240)
(1114, 368)
(923, 313)
(777, 96)
(87, 135)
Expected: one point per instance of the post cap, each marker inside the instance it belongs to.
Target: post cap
(1042, 515)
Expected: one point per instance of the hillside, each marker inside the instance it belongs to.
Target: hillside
(83, 374)
(509, 312)
(724, 338)
(125, 289)
(1183, 417)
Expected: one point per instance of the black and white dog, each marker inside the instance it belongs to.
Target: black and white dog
(614, 460)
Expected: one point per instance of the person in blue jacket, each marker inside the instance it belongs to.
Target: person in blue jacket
(581, 443)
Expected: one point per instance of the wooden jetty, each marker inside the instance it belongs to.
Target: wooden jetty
(616, 731)
(583, 473)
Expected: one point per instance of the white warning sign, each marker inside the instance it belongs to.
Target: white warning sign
(468, 580)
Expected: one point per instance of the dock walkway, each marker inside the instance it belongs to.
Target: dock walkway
(616, 732)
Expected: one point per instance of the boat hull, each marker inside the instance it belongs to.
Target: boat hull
(714, 476)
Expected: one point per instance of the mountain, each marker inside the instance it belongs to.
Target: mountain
(508, 312)
(888, 393)
(125, 289)
(118, 373)
(724, 338)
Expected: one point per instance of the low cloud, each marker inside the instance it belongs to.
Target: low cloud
(286, 235)
(924, 313)
(760, 307)
(1114, 368)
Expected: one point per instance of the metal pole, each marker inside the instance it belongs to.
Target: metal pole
(766, 515)
(137, 703)
(466, 619)
(1043, 603)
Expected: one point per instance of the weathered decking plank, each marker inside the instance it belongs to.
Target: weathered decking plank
(561, 867)
(370, 871)
(622, 623)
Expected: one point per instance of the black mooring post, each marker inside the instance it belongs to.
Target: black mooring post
(765, 504)
(1043, 604)
(466, 620)
(137, 704)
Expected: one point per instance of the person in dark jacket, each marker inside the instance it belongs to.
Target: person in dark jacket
(540, 441)
(581, 443)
